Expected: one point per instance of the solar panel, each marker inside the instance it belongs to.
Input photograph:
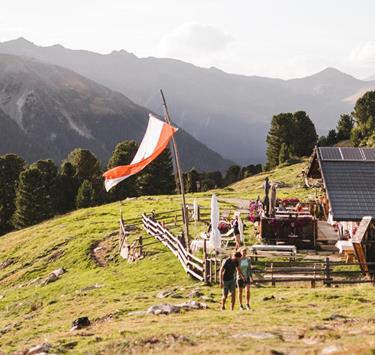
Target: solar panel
(330, 153)
(349, 153)
(369, 153)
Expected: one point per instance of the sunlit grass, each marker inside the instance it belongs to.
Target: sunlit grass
(31, 314)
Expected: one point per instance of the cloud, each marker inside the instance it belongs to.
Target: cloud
(194, 41)
(361, 60)
(364, 54)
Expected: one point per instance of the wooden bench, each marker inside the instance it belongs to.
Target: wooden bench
(274, 250)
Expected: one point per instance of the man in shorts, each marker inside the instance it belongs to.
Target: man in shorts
(228, 278)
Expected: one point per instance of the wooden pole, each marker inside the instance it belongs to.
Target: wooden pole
(179, 175)
(328, 273)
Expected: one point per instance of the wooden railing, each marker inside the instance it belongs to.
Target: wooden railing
(327, 272)
(192, 265)
(130, 251)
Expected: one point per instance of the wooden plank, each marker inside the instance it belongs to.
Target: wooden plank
(198, 260)
(197, 276)
(362, 229)
(292, 279)
(351, 281)
(358, 239)
(195, 265)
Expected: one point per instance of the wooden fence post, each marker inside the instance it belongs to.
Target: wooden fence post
(140, 246)
(215, 270)
(273, 281)
(205, 261)
(328, 273)
(313, 282)
(210, 270)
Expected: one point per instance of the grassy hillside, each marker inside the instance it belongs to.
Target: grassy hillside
(298, 318)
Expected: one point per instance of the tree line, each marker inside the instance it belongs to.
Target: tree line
(32, 193)
(358, 127)
(293, 135)
(204, 181)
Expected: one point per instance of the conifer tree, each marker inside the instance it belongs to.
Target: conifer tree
(11, 166)
(158, 177)
(280, 132)
(49, 182)
(85, 195)
(192, 177)
(344, 127)
(87, 166)
(123, 155)
(331, 138)
(364, 116)
(296, 130)
(233, 174)
(284, 153)
(68, 185)
(33, 202)
(304, 135)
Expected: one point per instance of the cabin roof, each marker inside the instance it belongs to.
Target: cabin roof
(349, 178)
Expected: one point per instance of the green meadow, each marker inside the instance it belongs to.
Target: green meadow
(297, 319)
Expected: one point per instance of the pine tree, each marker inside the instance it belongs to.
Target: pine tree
(192, 177)
(364, 116)
(11, 166)
(87, 167)
(123, 155)
(216, 177)
(296, 130)
(85, 195)
(158, 177)
(49, 182)
(331, 138)
(322, 141)
(86, 164)
(68, 185)
(233, 174)
(280, 132)
(33, 202)
(304, 135)
(284, 154)
(344, 127)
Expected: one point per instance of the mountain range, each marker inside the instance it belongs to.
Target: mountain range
(46, 111)
(228, 113)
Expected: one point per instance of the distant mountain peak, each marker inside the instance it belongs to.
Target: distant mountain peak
(20, 41)
(123, 53)
(331, 73)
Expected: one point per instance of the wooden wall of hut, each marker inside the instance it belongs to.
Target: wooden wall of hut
(291, 231)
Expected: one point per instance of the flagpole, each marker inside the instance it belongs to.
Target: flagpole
(179, 175)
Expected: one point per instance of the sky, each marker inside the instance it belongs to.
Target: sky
(274, 38)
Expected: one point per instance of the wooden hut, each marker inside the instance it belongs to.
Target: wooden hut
(347, 179)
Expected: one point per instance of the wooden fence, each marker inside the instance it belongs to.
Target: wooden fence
(327, 272)
(191, 264)
(131, 251)
(207, 269)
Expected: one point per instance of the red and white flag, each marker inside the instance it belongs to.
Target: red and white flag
(156, 139)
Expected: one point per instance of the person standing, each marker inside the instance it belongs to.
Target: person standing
(228, 278)
(236, 231)
(243, 279)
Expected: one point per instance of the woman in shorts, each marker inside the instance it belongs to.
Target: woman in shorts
(244, 283)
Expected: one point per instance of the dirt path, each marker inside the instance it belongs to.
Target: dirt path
(100, 248)
(241, 204)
